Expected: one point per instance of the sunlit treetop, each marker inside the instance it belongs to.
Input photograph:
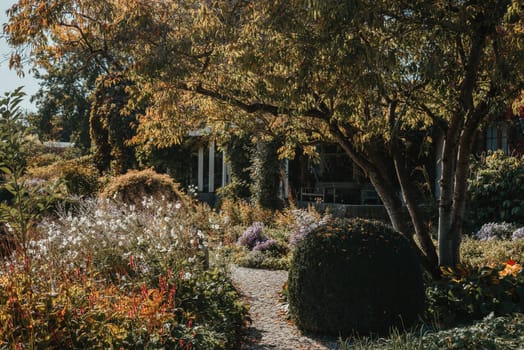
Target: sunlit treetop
(371, 67)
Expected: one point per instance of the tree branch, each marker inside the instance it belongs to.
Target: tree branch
(255, 107)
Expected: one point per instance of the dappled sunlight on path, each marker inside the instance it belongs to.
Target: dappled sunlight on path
(269, 328)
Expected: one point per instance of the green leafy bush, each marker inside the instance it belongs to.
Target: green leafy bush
(81, 177)
(263, 260)
(491, 333)
(355, 276)
(265, 175)
(496, 190)
(468, 293)
(24, 202)
(134, 186)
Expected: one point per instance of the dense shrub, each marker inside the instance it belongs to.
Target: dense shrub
(238, 157)
(467, 293)
(44, 159)
(355, 276)
(265, 172)
(132, 187)
(505, 332)
(81, 180)
(496, 190)
(491, 333)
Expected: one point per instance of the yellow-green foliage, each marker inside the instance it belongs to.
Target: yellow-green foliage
(466, 293)
(485, 253)
(43, 159)
(79, 175)
(240, 212)
(133, 186)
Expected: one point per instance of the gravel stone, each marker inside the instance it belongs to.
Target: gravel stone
(269, 327)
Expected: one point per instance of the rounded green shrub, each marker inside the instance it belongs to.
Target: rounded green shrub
(134, 186)
(355, 276)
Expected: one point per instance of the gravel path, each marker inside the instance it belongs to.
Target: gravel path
(269, 328)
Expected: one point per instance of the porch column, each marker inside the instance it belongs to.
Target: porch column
(212, 166)
(200, 177)
(225, 169)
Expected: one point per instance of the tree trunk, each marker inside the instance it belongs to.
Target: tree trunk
(447, 239)
(424, 238)
(375, 167)
(392, 204)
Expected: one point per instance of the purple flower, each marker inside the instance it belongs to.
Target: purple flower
(252, 235)
(518, 234)
(493, 230)
(305, 222)
(268, 244)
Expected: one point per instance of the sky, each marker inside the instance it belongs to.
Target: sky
(8, 78)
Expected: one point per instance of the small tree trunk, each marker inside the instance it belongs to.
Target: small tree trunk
(417, 220)
(392, 204)
(447, 234)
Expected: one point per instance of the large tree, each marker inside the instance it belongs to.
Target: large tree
(368, 75)
(63, 103)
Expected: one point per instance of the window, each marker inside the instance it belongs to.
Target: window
(497, 138)
(335, 165)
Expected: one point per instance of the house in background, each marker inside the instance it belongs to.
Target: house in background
(506, 134)
(333, 178)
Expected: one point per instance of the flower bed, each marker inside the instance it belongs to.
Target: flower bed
(116, 277)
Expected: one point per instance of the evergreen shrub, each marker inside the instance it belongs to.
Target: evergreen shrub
(134, 186)
(496, 190)
(353, 276)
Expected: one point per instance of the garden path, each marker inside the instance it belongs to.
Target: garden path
(269, 328)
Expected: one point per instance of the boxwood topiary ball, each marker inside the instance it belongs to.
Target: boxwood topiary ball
(355, 276)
